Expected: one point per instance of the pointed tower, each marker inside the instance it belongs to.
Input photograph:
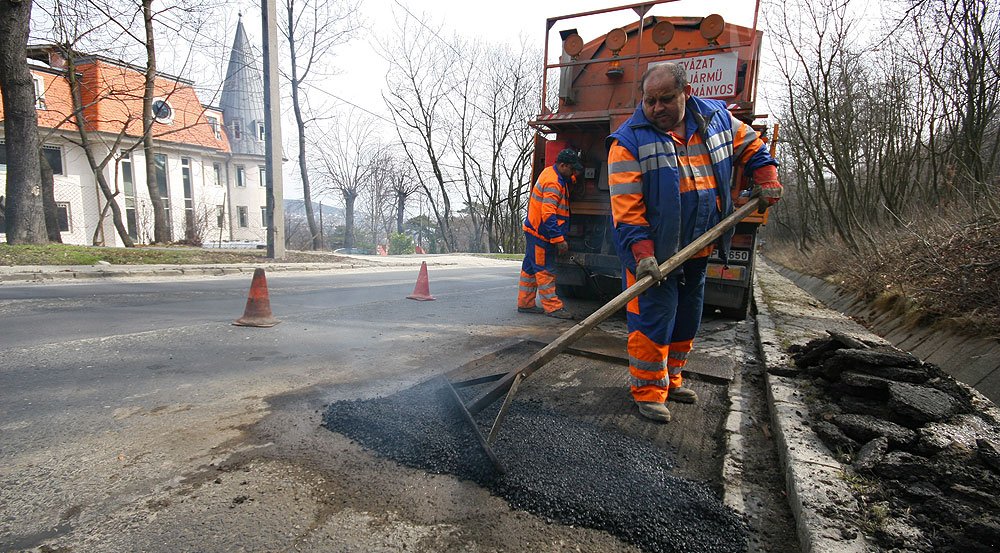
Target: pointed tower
(242, 99)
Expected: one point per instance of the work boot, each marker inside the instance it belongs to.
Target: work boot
(533, 309)
(561, 313)
(654, 411)
(682, 395)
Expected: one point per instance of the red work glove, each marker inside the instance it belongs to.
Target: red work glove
(766, 178)
(646, 261)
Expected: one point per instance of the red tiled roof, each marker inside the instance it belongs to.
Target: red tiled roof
(112, 100)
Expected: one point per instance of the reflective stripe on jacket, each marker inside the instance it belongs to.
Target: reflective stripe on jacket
(548, 207)
(647, 198)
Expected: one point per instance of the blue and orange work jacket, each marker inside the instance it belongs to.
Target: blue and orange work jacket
(672, 189)
(548, 207)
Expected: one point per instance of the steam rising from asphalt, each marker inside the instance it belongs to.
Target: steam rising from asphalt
(559, 468)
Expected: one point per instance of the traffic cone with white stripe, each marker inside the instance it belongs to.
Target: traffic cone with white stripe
(258, 309)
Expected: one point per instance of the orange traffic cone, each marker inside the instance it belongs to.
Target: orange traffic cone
(258, 310)
(422, 290)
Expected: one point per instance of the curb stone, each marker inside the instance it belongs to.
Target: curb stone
(820, 499)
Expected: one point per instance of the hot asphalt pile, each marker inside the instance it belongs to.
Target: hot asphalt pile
(557, 468)
(923, 449)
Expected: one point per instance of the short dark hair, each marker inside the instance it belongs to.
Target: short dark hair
(675, 69)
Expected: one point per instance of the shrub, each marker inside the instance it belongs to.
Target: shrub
(400, 244)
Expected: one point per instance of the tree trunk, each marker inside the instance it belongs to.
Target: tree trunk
(300, 126)
(400, 209)
(161, 230)
(23, 212)
(50, 208)
(88, 149)
(349, 197)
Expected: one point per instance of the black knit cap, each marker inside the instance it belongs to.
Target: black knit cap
(571, 157)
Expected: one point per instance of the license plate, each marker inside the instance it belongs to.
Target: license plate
(740, 256)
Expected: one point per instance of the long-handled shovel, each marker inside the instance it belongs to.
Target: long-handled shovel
(507, 383)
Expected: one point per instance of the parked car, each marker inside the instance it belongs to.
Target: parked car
(354, 251)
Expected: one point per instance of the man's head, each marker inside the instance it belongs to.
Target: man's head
(568, 162)
(665, 91)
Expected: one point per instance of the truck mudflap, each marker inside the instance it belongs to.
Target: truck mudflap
(729, 286)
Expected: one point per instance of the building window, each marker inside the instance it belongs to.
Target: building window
(163, 112)
(214, 123)
(220, 215)
(243, 215)
(237, 129)
(39, 91)
(263, 175)
(241, 176)
(264, 219)
(188, 198)
(128, 183)
(260, 131)
(218, 173)
(160, 161)
(53, 154)
(63, 216)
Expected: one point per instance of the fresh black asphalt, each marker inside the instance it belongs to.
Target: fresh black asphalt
(556, 467)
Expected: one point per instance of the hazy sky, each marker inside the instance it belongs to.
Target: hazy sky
(362, 72)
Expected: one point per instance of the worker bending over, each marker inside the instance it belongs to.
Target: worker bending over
(670, 169)
(544, 234)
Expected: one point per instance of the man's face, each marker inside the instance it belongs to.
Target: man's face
(566, 170)
(663, 102)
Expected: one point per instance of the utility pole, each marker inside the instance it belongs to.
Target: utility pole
(272, 134)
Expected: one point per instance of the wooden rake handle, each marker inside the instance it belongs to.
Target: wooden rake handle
(567, 338)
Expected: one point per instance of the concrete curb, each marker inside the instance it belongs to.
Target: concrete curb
(820, 499)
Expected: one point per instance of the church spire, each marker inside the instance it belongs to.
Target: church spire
(242, 99)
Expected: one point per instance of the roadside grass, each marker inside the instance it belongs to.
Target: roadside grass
(62, 254)
(942, 272)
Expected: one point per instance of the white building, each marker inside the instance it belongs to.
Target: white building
(209, 161)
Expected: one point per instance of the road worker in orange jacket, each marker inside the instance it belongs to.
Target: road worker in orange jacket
(670, 168)
(544, 233)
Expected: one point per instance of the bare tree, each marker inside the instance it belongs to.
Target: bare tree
(957, 54)
(460, 109)
(24, 215)
(402, 185)
(312, 28)
(876, 125)
(509, 94)
(345, 164)
(418, 84)
(379, 197)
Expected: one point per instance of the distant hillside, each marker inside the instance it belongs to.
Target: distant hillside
(332, 215)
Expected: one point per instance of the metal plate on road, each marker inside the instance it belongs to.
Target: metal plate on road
(594, 389)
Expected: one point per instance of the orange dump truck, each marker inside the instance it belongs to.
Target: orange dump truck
(598, 90)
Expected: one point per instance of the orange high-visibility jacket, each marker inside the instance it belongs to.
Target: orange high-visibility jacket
(548, 207)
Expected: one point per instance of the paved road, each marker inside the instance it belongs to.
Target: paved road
(134, 417)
